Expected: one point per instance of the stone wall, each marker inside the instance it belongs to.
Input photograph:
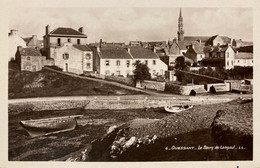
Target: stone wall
(219, 87)
(154, 85)
(36, 104)
(183, 90)
(127, 81)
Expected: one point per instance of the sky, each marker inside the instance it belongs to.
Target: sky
(114, 24)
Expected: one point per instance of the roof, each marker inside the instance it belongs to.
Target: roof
(29, 39)
(63, 31)
(244, 55)
(225, 39)
(196, 38)
(114, 53)
(183, 45)
(29, 52)
(82, 47)
(248, 49)
(222, 48)
(142, 53)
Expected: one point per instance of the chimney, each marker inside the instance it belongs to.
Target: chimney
(34, 36)
(154, 49)
(81, 30)
(14, 32)
(100, 43)
(47, 28)
(200, 42)
(19, 48)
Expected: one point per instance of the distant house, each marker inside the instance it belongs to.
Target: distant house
(33, 42)
(218, 41)
(14, 40)
(135, 43)
(244, 56)
(240, 43)
(170, 60)
(195, 52)
(29, 59)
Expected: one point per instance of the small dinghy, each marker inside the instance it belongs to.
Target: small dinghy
(39, 127)
(177, 109)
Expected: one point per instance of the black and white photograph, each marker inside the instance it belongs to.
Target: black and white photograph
(130, 83)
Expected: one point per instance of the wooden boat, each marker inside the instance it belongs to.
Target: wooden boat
(177, 109)
(39, 127)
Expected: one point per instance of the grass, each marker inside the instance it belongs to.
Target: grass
(46, 83)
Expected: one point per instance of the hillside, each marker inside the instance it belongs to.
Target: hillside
(46, 83)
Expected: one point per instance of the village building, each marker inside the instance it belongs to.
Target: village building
(113, 61)
(195, 52)
(218, 41)
(74, 58)
(68, 48)
(156, 66)
(135, 43)
(14, 40)
(30, 59)
(33, 42)
(244, 56)
(240, 43)
(224, 52)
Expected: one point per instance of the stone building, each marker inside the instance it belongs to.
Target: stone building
(14, 40)
(195, 52)
(30, 59)
(69, 49)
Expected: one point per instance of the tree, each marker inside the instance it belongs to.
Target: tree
(180, 63)
(141, 72)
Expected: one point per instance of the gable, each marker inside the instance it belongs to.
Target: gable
(63, 31)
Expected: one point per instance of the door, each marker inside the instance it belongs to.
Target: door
(66, 67)
(34, 68)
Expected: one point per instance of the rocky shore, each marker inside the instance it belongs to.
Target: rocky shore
(145, 136)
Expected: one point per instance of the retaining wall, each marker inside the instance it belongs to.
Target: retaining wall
(109, 103)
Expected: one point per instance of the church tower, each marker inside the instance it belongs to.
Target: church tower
(180, 28)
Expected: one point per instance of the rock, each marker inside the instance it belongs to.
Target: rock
(130, 142)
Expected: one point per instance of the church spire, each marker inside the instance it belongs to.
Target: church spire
(180, 27)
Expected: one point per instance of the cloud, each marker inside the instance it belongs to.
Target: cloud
(125, 24)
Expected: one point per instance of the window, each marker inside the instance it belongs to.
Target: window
(69, 40)
(65, 56)
(33, 68)
(58, 41)
(227, 63)
(118, 73)
(28, 58)
(238, 61)
(154, 62)
(107, 72)
(227, 54)
(88, 56)
(78, 41)
(232, 62)
(127, 63)
(88, 65)
(107, 62)
(118, 62)
(146, 62)
(252, 61)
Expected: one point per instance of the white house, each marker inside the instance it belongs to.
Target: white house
(150, 58)
(14, 40)
(113, 61)
(73, 58)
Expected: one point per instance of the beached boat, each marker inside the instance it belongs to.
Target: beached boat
(39, 127)
(177, 109)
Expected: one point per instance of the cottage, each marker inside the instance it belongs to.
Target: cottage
(29, 59)
(218, 40)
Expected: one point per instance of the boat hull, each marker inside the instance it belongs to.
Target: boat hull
(177, 109)
(49, 126)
